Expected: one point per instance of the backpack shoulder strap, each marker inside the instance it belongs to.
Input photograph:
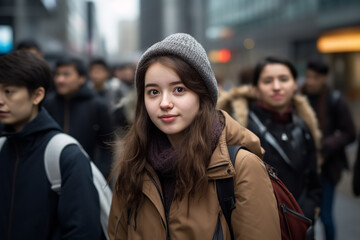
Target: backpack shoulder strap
(270, 139)
(2, 141)
(225, 190)
(52, 158)
(52, 167)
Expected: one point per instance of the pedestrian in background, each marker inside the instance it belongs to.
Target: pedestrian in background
(125, 95)
(81, 113)
(177, 148)
(30, 46)
(286, 126)
(99, 76)
(338, 131)
(29, 208)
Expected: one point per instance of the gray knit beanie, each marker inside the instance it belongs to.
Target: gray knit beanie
(185, 47)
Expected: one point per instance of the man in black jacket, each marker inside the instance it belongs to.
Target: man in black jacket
(29, 208)
(338, 131)
(81, 113)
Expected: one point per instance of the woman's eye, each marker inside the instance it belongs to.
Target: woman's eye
(179, 89)
(267, 80)
(284, 79)
(153, 92)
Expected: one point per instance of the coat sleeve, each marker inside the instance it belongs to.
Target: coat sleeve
(344, 130)
(117, 223)
(78, 207)
(256, 215)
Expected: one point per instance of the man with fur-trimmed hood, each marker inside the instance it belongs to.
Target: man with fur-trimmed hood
(286, 126)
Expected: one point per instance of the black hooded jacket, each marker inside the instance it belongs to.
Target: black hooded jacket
(29, 209)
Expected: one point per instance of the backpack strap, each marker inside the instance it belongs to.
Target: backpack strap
(270, 139)
(225, 190)
(52, 158)
(52, 167)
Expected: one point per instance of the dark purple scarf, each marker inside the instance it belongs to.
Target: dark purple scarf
(163, 158)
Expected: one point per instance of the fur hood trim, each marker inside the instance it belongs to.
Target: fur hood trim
(236, 103)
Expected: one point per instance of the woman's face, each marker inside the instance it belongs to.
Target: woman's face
(276, 87)
(171, 106)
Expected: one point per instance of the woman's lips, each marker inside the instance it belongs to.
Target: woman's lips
(168, 118)
(277, 96)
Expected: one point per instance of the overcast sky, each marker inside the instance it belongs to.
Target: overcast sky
(110, 12)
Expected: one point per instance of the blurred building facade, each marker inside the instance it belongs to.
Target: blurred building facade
(160, 18)
(250, 30)
(246, 30)
(59, 27)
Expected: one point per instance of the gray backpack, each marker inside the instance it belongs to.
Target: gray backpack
(52, 167)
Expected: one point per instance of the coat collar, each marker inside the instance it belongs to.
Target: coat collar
(233, 133)
(236, 103)
(42, 122)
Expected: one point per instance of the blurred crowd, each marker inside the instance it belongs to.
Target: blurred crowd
(95, 103)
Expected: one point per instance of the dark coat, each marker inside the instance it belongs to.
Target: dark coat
(338, 131)
(29, 209)
(86, 117)
(356, 176)
(301, 178)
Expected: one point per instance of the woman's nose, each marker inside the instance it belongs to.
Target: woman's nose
(166, 102)
(276, 84)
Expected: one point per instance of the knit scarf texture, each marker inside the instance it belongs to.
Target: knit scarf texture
(163, 158)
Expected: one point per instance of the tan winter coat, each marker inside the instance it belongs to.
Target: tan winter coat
(255, 216)
(236, 103)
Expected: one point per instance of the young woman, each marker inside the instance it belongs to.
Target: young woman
(177, 148)
(286, 126)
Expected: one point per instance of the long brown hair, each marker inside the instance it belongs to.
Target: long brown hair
(194, 152)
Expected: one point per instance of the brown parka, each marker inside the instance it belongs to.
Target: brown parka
(255, 216)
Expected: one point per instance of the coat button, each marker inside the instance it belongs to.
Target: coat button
(228, 171)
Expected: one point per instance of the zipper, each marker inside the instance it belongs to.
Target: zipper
(163, 202)
(285, 209)
(13, 191)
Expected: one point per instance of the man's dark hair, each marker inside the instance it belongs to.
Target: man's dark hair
(99, 61)
(27, 44)
(318, 66)
(21, 68)
(75, 62)
(271, 60)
